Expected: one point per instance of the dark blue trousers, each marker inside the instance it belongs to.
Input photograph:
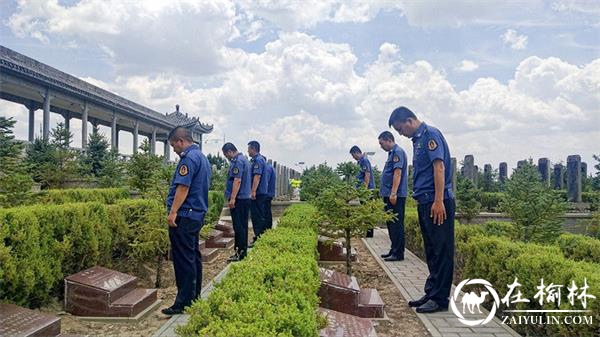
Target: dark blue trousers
(187, 260)
(439, 251)
(396, 227)
(239, 217)
(269, 213)
(258, 215)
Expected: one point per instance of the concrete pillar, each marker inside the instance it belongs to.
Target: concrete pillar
(453, 168)
(67, 117)
(487, 175)
(46, 116)
(503, 172)
(521, 163)
(31, 123)
(84, 126)
(584, 170)
(117, 135)
(574, 178)
(167, 152)
(558, 176)
(153, 141)
(469, 169)
(113, 132)
(200, 142)
(136, 132)
(544, 169)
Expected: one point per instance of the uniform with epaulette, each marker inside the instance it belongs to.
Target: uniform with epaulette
(193, 171)
(365, 167)
(396, 160)
(239, 168)
(258, 211)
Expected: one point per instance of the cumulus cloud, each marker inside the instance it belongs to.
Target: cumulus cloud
(140, 36)
(467, 66)
(514, 40)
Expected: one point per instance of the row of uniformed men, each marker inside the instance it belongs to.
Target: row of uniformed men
(432, 189)
(250, 189)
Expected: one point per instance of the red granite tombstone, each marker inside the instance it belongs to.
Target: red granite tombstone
(23, 322)
(208, 254)
(342, 293)
(217, 240)
(101, 292)
(344, 325)
(333, 251)
(226, 227)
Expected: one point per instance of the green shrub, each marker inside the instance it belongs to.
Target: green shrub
(579, 247)
(273, 292)
(41, 244)
(101, 195)
(301, 216)
(500, 260)
(490, 201)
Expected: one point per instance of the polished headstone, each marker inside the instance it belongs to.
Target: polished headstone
(469, 169)
(344, 325)
(558, 176)
(574, 178)
(503, 172)
(23, 322)
(544, 169)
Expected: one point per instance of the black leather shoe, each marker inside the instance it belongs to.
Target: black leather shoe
(430, 307)
(386, 255)
(172, 311)
(419, 302)
(233, 258)
(394, 258)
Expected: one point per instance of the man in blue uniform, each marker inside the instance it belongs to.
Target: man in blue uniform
(270, 194)
(365, 175)
(432, 188)
(260, 184)
(394, 189)
(237, 194)
(187, 203)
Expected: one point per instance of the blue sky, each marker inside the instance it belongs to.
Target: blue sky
(504, 80)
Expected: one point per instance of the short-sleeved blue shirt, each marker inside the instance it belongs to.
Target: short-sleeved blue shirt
(365, 166)
(194, 171)
(259, 167)
(396, 160)
(429, 145)
(272, 181)
(239, 168)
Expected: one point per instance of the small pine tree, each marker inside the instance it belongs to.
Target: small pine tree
(141, 167)
(468, 197)
(534, 209)
(112, 169)
(41, 161)
(347, 171)
(315, 179)
(348, 212)
(15, 183)
(97, 150)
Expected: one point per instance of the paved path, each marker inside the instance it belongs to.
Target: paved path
(410, 275)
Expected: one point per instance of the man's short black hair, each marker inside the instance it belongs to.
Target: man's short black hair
(181, 133)
(401, 114)
(254, 145)
(229, 147)
(386, 135)
(355, 149)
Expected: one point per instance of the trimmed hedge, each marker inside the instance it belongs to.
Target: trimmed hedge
(41, 244)
(273, 292)
(500, 260)
(101, 195)
(579, 247)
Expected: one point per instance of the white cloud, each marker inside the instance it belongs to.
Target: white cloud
(467, 66)
(188, 37)
(514, 40)
(591, 7)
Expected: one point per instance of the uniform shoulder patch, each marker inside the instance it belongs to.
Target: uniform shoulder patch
(365, 168)
(256, 165)
(183, 170)
(236, 170)
(396, 158)
(432, 145)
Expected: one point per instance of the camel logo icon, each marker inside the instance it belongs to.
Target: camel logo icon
(471, 302)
